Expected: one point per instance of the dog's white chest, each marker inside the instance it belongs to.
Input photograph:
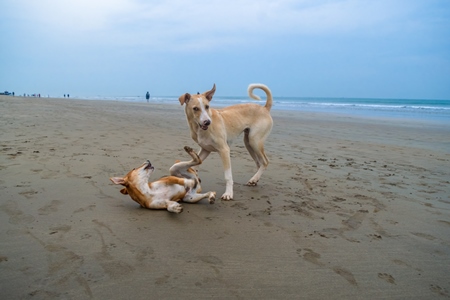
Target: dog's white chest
(205, 141)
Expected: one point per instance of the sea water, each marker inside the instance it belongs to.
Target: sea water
(437, 110)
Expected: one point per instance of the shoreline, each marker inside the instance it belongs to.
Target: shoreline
(351, 208)
(409, 117)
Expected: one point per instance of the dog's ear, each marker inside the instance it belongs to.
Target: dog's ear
(124, 191)
(210, 93)
(117, 180)
(184, 98)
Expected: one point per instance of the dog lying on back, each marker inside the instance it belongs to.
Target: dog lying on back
(183, 184)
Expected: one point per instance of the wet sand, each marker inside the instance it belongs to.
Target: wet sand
(349, 208)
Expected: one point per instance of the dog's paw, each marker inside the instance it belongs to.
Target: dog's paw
(227, 196)
(175, 208)
(252, 183)
(212, 197)
(188, 149)
(178, 209)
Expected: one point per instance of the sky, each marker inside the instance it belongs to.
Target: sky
(303, 48)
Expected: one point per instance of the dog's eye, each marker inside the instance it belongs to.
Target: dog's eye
(196, 109)
(207, 106)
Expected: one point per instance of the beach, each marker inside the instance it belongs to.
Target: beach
(349, 208)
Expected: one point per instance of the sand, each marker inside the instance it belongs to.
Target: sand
(349, 208)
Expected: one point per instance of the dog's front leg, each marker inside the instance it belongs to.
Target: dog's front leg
(203, 154)
(174, 207)
(226, 162)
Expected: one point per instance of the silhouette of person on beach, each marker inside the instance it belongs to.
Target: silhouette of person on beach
(147, 96)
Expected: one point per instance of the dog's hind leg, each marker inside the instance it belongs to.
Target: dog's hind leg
(255, 146)
(262, 163)
(250, 148)
(195, 158)
(180, 169)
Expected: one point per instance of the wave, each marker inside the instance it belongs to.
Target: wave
(366, 106)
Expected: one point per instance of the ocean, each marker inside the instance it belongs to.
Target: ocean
(431, 110)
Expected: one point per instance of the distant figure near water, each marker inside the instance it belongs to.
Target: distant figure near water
(147, 96)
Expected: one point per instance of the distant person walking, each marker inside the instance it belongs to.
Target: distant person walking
(147, 96)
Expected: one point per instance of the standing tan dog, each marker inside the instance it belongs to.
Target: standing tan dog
(183, 184)
(214, 129)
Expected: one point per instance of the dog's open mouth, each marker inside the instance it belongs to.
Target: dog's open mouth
(204, 125)
(148, 166)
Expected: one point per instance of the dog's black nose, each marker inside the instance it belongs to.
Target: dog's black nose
(207, 123)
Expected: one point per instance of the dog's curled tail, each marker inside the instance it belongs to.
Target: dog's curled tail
(263, 87)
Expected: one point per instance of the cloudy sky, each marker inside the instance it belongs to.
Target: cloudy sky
(306, 48)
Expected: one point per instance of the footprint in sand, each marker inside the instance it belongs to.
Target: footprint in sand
(355, 221)
(424, 235)
(89, 207)
(16, 216)
(50, 208)
(28, 193)
(240, 205)
(162, 280)
(310, 256)
(143, 253)
(387, 277)
(210, 259)
(60, 229)
(439, 290)
(346, 274)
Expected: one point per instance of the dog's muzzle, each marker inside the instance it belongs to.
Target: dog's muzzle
(148, 166)
(205, 124)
